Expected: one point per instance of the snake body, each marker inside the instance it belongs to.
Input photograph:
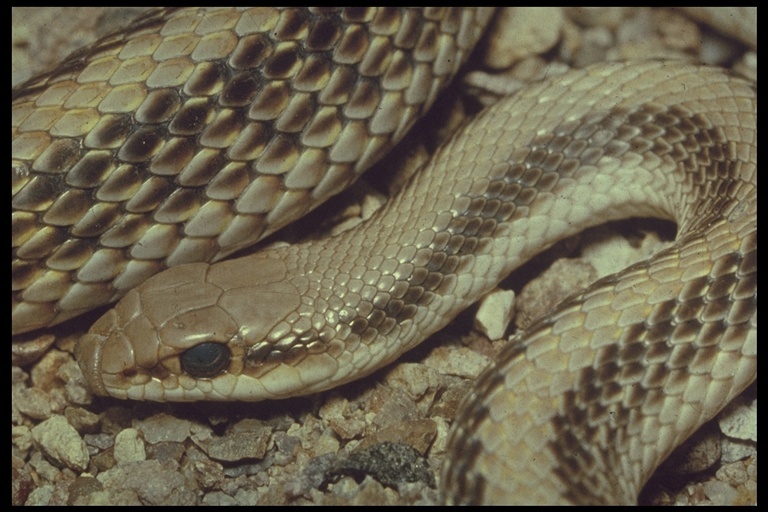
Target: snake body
(197, 132)
(592, 397)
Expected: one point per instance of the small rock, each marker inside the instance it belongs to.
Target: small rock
(237, 446)
(164, 427)
(734, 473)
(416, 379)
(82, 420)
(61, 443)
(152, 483)
(26, 352)
(129, 446)
(418, 433)
(610, 17)
(45, 373)
(33, 402)
(736, 449)
(739, 420)
(388, 463)
(520, 32)
(83, 487)
(564, 277)
(219, 499)
(720, 492)
(495, 312)
(344, 422)
(459, 361)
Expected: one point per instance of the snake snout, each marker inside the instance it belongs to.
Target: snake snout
(88, 353)
(106, 356)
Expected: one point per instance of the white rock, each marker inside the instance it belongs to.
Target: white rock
(495, 312)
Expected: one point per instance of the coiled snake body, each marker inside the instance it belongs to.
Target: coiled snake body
(162, 145)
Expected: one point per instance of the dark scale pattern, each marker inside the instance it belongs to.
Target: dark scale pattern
(679, 339)
(645, 355)
(133, 118)
(514, 185)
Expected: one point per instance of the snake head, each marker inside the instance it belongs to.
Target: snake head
(200, 332)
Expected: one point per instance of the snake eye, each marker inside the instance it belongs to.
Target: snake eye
(205, 360)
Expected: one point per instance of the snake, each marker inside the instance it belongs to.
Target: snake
(144, 161)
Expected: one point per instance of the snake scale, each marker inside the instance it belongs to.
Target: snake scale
(197, 132)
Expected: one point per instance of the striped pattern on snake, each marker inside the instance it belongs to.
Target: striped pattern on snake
(197, 132)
